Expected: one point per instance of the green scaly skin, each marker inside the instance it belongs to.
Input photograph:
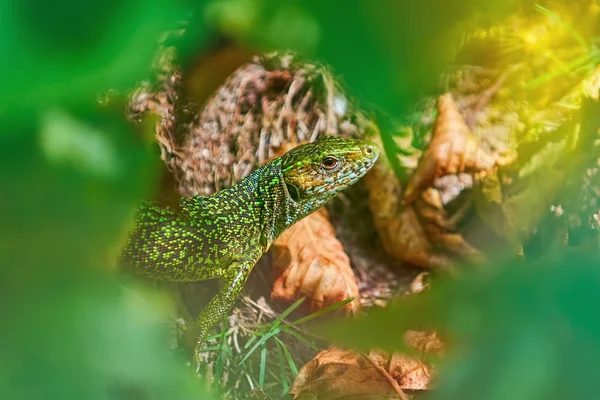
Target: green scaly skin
(224, 235)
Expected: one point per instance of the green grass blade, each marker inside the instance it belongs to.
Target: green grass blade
(321, 312)
(567, 27)
(591, 57)
(249, 342)
(300, 338)
(287, 312)
(211, 337)
(288, 356)
(263, 367)
(260, 343)
(209, 349)
(281, 357)
(220, 363)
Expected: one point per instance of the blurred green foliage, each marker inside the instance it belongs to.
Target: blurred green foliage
(387, 51)
(518, 331)
(73, 171)
(71, 328)
(67, 51)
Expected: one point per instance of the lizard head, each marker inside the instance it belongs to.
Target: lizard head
(315, 172)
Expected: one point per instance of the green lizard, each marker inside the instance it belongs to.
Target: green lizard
(224, 235)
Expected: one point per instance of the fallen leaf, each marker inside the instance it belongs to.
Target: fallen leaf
(453, 149)
(424, 341)
(309, 261)
(338, 373)
(417, 232)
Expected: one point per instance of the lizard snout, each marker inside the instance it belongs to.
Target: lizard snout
(370, 150)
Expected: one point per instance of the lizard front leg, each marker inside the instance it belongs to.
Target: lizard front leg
(231, 285)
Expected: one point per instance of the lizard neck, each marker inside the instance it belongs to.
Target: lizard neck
(279, 210)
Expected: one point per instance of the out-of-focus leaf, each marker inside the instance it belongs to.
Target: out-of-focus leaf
(368, 42)
(515, 215)
(64, 140)
(82, 335)
(514, 201)
(71, 50)
(72, 330)
(538, 342)
(73, 186)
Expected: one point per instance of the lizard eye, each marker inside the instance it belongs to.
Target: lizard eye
(329, 162)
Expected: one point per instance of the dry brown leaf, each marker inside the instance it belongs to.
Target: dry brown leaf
(453, 149)
(337, 373)
(424, 341)
(309, 261)
(341, 374)
(402, 230)
(421, 232)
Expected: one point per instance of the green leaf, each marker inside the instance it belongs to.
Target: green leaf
(69, 51)
(511, 330)
(301, 338)
(387, 51)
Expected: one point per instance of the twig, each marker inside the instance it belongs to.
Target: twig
(387, 377)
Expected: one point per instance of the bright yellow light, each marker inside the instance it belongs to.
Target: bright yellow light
(535, 37)
(531, 38)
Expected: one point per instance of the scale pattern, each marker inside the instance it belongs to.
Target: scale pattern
(224, 235)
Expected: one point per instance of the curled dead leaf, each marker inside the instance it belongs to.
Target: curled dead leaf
(420, 231)
(338, 373)
(411, 232)
(309, 261)
(453, 149)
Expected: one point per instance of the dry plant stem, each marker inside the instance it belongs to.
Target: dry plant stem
(387, 377)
